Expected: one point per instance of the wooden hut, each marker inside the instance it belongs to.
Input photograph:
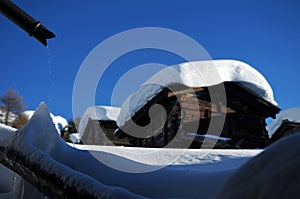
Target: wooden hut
(98, 125)
(287, 123)
(186, 107)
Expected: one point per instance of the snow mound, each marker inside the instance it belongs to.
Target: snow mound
(98, 113)
(84, 171)
(59, 121)
(272, 174)
(292, 115)
(38, 144)
(197, 74)
(6, 130)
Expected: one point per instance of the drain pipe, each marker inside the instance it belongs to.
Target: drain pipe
(26, 22)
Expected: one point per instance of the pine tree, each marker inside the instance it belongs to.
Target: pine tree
(11, 103)
(71, 128)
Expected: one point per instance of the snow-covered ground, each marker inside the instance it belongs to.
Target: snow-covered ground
(192, 174)
(271, 173)
(197, 74)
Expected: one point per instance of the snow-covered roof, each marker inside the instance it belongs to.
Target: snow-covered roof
(105, 113)
(59, 121)
(197, 74)
(292, 115)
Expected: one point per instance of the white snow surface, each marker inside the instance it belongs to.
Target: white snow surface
(274, 173)
(195, 173)
(59, 121)
(75, 137)
(292, 115)
(98, 113)
(197, 74)
(211, 160)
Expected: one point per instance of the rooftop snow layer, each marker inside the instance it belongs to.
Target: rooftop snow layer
(98, 113)
(197, 74)
(292, 115)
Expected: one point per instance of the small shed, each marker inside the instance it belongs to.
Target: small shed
(187, 100)
(287, 123)
(98, 124)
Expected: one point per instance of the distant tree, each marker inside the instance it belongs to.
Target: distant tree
(67, 131)
(11, 103)
(20, 121)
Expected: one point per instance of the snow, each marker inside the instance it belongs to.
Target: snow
(98, 113)
(75, 137)
(10, 182)
(39, 143)
(197, 74)
(272, 174)
(59, 121)
(6, 130)
(222, 158)
(292, 115)
(209, 136)
(101, 171)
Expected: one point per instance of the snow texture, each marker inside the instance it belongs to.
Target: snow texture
(272, 174)
(39, 142)
(209, 136)
(197, 74)
(196, 173)
(75, 137)
(59, 121)
(98, 113)
(292, 115)
(6, 131)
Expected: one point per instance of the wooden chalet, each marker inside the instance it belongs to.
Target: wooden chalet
(286, 128)
(101, 132)
(98, 124)
(245, 114)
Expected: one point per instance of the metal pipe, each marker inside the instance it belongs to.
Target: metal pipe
(26, 22)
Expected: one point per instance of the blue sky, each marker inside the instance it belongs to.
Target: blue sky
(264, 34)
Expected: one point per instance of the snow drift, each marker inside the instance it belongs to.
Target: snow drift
(272, 174)
(59, 121)
(61, 170)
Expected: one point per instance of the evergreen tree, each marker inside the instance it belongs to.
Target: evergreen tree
(67, 131)
(11, 103)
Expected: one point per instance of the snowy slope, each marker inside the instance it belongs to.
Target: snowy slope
(272, 174)
(59, 121)
(13, 185)
(197, 74)
(39, 144)
(87, 170)
(222, 159)
(98, 113)
(292, 115)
